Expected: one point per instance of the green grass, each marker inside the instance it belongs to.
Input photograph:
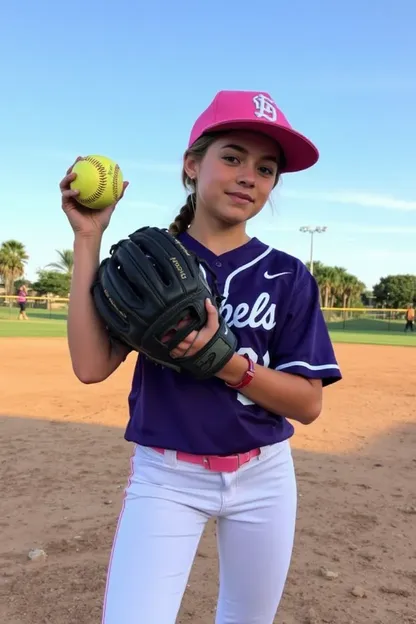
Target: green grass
(36, 328)
(392, 339)
(367, 324)
(43, 324)
(11, 314)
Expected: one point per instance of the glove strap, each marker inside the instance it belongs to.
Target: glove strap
(213, 356)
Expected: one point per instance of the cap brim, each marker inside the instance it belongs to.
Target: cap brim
(299, 152)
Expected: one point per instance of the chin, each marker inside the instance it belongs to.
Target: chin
(232, 220)
(236, 216)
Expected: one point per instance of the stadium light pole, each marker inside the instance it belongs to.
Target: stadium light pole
(307, 229)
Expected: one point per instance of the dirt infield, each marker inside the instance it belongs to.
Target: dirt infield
(64, 465)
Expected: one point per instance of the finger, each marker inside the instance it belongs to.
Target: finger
(125, 185)
(184, 347)
(187, 342)
(180, 350)
(66, 181)
(70, 194)
(78, 158)
(193, 347)
(170, 334)
(183, 322)
(212, 320)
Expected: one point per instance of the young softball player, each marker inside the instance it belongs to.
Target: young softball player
(21, 300)
(217, 448)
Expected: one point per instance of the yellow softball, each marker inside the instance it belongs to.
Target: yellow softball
(99, 181)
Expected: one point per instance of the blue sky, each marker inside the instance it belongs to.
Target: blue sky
(128, 82)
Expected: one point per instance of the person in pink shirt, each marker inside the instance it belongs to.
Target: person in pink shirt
(21, 300)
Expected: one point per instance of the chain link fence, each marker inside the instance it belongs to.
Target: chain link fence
(365, 319)
(46, 308)
(345, 319)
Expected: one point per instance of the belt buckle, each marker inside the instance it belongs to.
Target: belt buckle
(216, 463)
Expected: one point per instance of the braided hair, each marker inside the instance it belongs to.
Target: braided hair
(185, 216)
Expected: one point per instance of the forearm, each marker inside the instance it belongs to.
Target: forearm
(90, 348)
(281, 393)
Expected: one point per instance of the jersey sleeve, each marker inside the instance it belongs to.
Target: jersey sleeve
(304, 346)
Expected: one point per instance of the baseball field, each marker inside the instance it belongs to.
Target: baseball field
(64, 465)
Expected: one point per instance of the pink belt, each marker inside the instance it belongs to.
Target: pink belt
(216, 463)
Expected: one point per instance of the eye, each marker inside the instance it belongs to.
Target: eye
(231, 159)
(267, 171)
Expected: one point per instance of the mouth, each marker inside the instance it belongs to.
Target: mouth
(241, 198)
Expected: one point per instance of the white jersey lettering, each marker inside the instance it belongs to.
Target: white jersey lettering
(263, 313)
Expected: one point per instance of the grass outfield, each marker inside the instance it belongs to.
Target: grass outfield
(34, 328)
(35, 314)
(41, 326)
(368, 324)
(392, 339)
(42, 323)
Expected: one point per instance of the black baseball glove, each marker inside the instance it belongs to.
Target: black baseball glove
(148, 285)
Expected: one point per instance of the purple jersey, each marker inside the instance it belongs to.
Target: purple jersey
(272, 305)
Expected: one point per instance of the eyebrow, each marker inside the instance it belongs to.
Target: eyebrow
(240, 149)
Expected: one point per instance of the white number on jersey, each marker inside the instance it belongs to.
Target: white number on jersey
(253, 355)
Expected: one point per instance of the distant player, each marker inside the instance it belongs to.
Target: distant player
(21, 301)
(410, 318)
(219, 447)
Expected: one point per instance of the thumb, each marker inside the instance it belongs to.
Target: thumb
(125, 185)
(212, 312)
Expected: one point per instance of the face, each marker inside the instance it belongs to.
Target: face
(236, 176)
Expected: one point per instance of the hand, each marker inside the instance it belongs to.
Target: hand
(198, 339)
(84, 221)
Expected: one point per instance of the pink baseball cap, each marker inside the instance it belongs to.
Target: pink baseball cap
(256, 111)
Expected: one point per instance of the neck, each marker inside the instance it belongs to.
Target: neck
(216, 236)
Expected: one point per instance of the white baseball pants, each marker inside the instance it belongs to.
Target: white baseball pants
(166, 507)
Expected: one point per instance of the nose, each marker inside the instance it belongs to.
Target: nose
(246, 176)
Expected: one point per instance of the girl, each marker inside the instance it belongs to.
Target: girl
(217, 448)
(21, 300)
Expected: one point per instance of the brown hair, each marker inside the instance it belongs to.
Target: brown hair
(186, 214)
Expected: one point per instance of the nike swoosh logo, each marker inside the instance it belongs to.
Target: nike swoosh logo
(268, 276)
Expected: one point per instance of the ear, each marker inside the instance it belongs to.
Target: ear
(191, 166)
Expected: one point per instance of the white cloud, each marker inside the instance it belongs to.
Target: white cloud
(358, 198)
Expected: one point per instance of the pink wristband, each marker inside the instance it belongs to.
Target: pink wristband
(248, 375)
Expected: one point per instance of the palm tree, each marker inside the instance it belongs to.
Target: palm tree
(329, 283)
(13, 257)
(318, 273)
(66, 261)
(349, 283)
(355, 288)
(350, 289)
(337, 287)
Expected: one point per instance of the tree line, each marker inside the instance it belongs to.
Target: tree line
(338, 288)
(54, 279)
